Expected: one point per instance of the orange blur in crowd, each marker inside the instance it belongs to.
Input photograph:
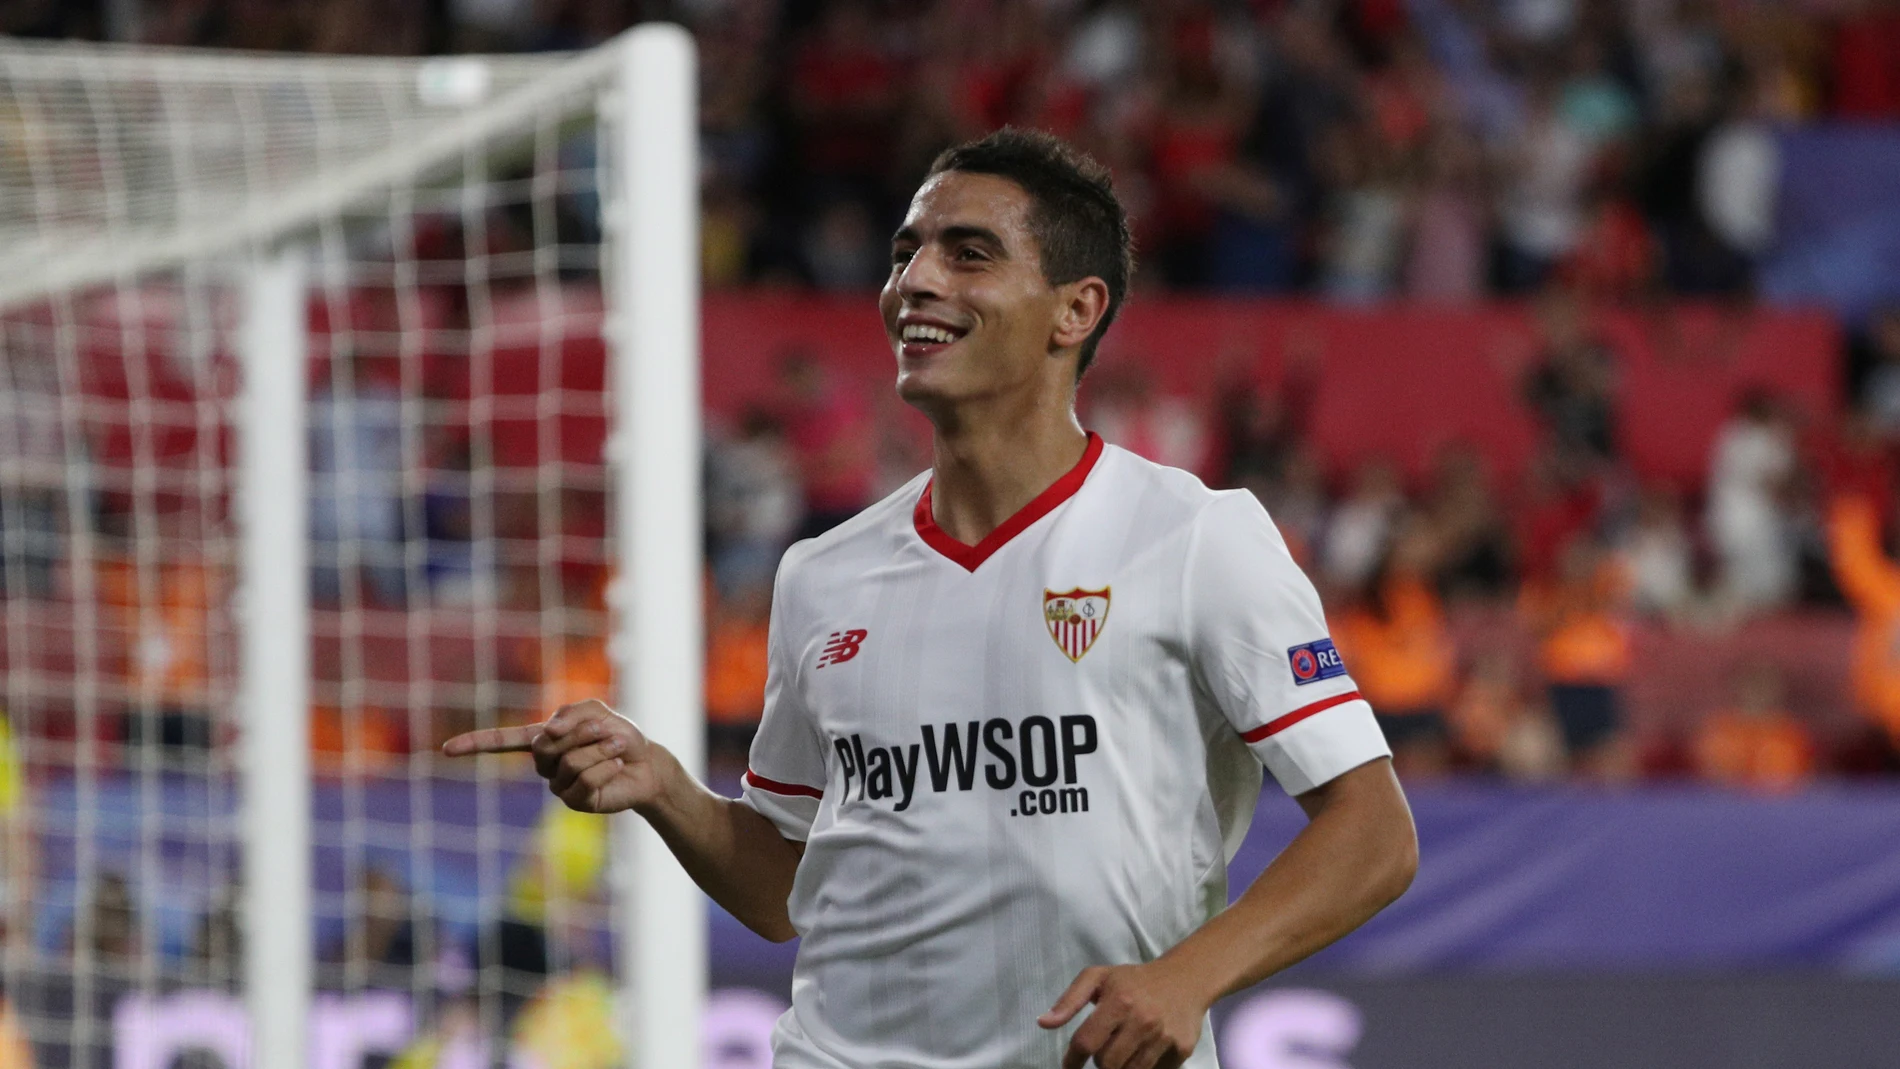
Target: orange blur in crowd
(1402, 659)
(167, 650)
(1871, 582)
(1581, 619)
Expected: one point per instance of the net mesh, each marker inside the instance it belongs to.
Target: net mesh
(459, 545)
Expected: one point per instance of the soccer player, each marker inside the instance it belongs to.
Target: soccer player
(1017, 712)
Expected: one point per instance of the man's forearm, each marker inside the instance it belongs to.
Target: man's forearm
(735, 855)
(1355, 856)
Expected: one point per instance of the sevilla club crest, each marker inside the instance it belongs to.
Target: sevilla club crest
(1075, 618)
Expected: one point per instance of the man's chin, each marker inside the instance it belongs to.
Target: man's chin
(921, 388)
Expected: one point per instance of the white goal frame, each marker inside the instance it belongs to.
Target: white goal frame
(648, 105)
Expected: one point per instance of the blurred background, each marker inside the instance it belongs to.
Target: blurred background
(1561, 338)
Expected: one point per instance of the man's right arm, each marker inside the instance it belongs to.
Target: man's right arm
(597, 761)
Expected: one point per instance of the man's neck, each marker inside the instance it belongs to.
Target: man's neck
(985, 471)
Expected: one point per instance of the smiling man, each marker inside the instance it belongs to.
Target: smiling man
(1018, 711)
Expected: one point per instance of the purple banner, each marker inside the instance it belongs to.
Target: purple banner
(1510, 879)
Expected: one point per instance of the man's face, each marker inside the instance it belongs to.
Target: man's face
(967, 308)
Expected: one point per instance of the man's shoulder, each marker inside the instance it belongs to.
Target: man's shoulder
(1173, 507)
(1159, 490)
(874, 533)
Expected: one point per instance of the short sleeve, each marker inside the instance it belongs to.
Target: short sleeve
(1260, 646)
(785, 772)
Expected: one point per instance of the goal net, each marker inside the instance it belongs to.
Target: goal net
(345, 405)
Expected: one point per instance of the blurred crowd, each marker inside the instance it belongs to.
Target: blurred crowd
(1360, 149)
(1496, 627)
(1579, 152)
(527, 985)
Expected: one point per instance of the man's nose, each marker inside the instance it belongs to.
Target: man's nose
(922, 277)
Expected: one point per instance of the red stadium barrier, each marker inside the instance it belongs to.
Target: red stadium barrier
(1398, 381)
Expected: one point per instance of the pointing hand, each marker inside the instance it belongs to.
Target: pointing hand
(593, 758)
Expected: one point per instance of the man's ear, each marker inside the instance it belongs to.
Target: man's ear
(1084, 303)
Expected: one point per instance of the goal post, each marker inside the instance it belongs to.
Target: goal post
(366, 410)
(653, 331)
(273, 615)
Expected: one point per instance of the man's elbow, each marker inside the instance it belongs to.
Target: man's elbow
(772, 929)
(1399, 862)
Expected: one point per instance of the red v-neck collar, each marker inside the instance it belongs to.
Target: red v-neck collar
(969, 557)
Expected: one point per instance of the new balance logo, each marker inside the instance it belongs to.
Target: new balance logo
(841, 646)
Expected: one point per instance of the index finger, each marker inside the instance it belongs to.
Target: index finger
(518, 739)
(1082, 991)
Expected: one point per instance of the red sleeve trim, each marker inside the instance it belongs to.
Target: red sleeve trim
(795, 789)
(1275, 726)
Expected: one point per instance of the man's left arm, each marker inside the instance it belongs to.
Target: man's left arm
(1357, 853)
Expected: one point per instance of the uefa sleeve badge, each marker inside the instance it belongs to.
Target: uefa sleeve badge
(1314, 661)
(1075, 618)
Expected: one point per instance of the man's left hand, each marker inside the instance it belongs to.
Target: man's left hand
(1145, 1018)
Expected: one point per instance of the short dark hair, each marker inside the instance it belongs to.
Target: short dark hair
(1080, 227)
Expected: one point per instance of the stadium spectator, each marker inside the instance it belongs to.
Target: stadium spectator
(1572, 386)
(356, 442)
(1673, 188)
(1854, 461)
(1755, 743)
(1740, 173)
(1750, 479)
(1541, 206)
(1555, 501)
(1879, 393)
(103, 957)
(1615, 257)
(552, 892)
(1360, 528)
(1394, 638)
(1473, 554)
(1497, 728)
(382, 946)
(841, 248)
(844, 94)
(163, 610)
(448, 518)
(754, 501)
(1254, 434)
(1297, 502)
(217, 949)
(1198, 120)
(574, 667)
(1659, 555)
(1447, 258)
(828, 427)
(1126, 408)
(15, 1052)
(19, 855)
(1584, 651)
(737, 626)
(1594, 101)
(1871, 582)
(570, 1024)
(357, 740)
(1361, 239)
(32, 477)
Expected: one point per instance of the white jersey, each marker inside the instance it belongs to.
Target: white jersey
(1015, 760)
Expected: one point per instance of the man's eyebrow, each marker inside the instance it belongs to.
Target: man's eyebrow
(958, 232)
(970, 232)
